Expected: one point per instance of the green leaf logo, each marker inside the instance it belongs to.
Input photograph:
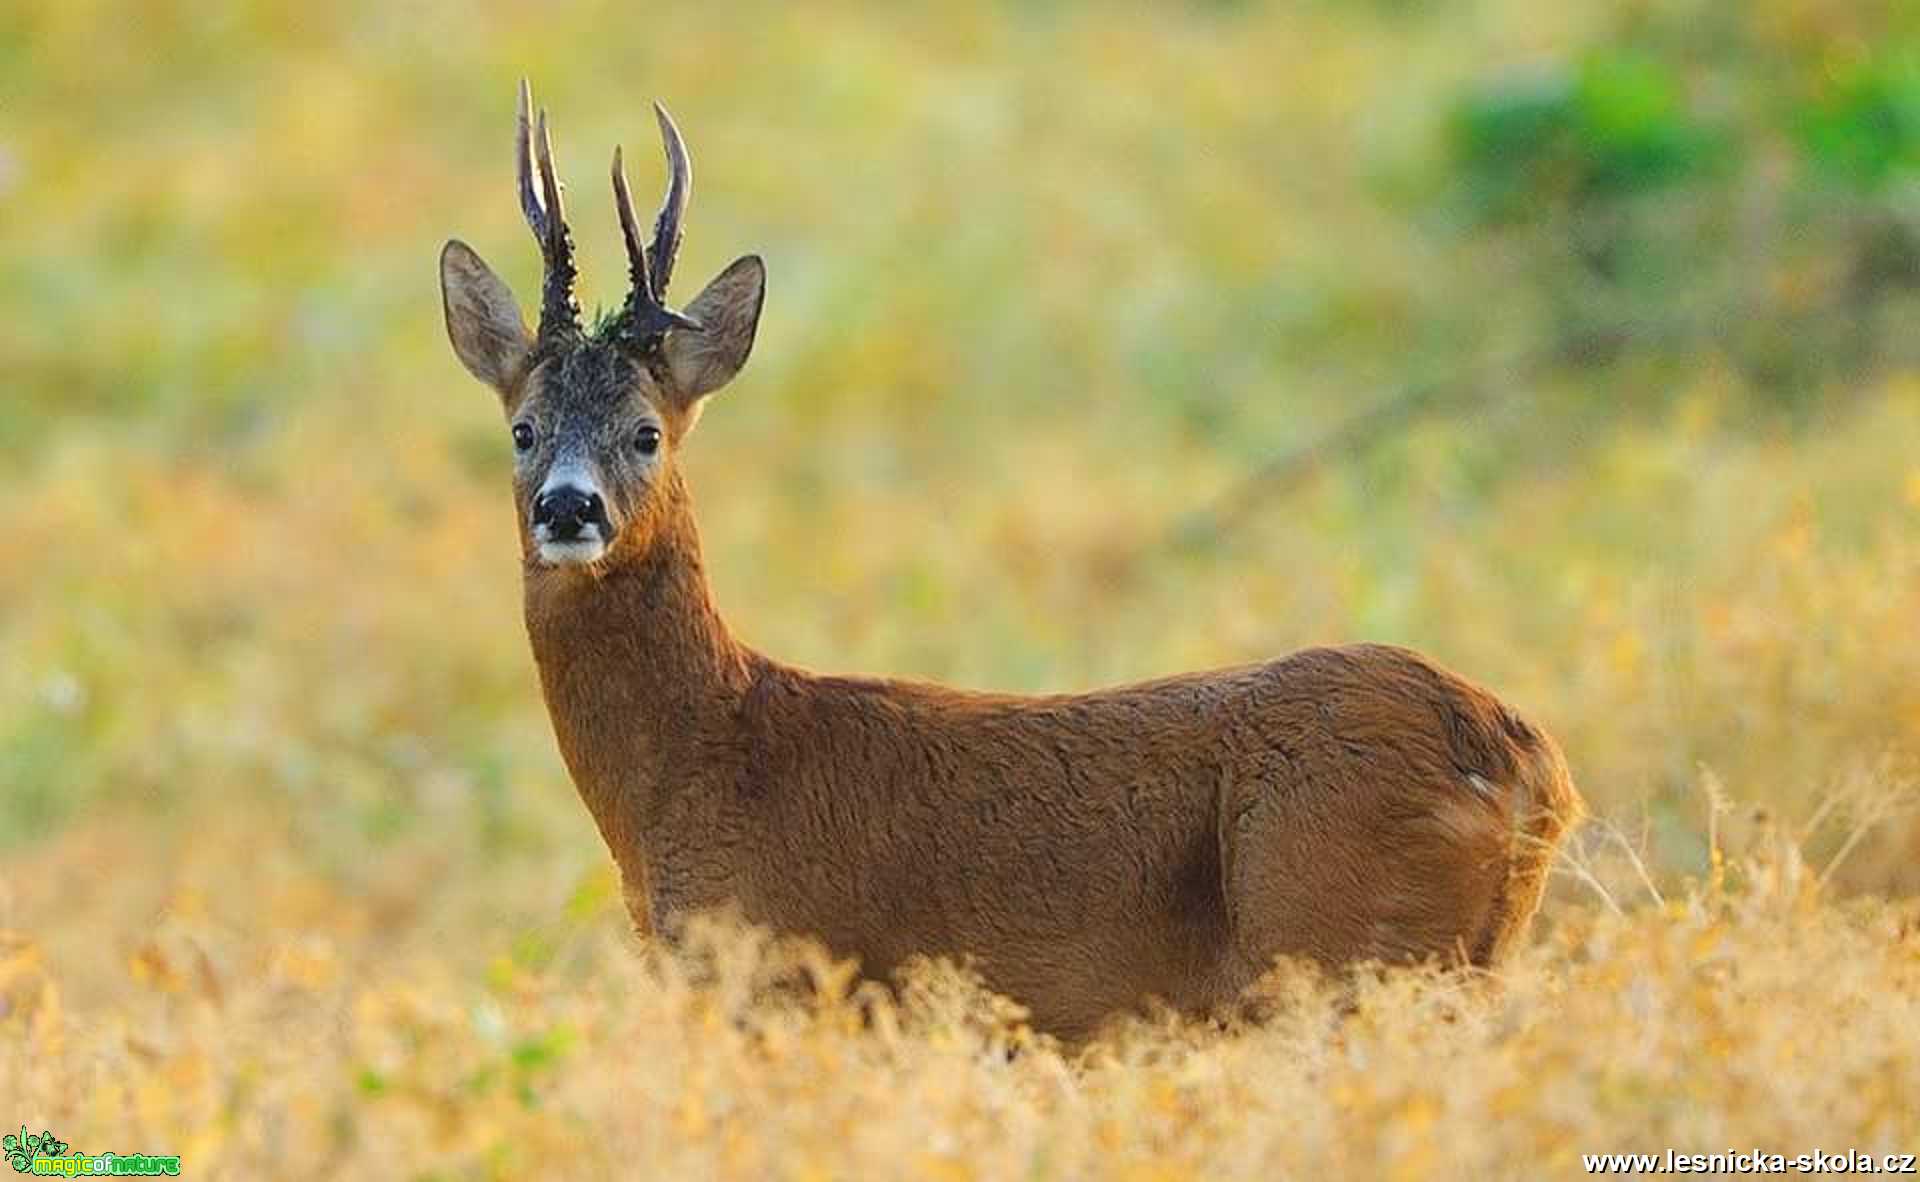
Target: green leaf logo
(22, 1147)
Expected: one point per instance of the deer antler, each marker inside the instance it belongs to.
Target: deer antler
(559, 314)
(647, 315)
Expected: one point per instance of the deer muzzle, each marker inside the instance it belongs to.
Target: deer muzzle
(570, 524)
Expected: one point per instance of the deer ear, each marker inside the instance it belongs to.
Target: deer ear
(483, 319)
(729, 312)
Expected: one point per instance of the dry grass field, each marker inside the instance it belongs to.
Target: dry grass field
(293, 884)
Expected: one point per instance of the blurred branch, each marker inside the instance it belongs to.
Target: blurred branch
(1384, 420)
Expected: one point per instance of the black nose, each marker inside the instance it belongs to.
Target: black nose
(567, 510)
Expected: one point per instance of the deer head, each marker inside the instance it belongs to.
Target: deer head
(597, 415)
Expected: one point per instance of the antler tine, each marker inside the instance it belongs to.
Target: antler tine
(549, 183)
(558, 312)
(630, 227)
(666, 229)
(523, 161)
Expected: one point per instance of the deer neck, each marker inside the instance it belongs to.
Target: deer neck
(642, 680)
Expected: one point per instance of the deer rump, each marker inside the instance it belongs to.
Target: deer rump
(1168, 839)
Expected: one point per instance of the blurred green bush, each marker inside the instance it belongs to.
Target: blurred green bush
(1745, 186)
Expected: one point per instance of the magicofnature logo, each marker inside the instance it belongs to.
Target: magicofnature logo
(46, 1155)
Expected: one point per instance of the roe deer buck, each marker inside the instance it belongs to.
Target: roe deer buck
(1167, 839)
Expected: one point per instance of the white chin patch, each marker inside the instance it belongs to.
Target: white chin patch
(574, 553)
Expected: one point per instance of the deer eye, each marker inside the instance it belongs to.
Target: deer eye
(648, 440)
(522, 437)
